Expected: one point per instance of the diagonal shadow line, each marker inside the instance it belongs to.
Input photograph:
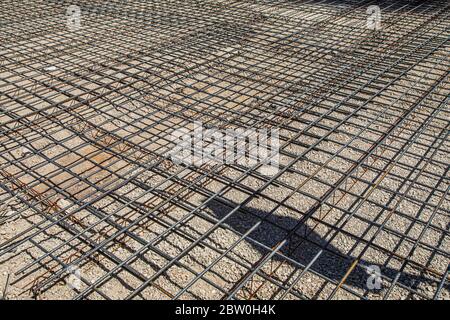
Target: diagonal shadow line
(332, 264)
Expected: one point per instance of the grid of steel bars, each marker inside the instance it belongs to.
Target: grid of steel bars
(89, 191)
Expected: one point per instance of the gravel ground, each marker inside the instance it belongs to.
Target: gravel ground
(394, 208)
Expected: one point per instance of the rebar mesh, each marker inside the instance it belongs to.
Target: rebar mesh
(87, 118)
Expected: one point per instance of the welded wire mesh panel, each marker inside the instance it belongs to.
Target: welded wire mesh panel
(118, 178)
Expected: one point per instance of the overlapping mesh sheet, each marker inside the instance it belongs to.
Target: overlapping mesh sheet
(89, 192)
